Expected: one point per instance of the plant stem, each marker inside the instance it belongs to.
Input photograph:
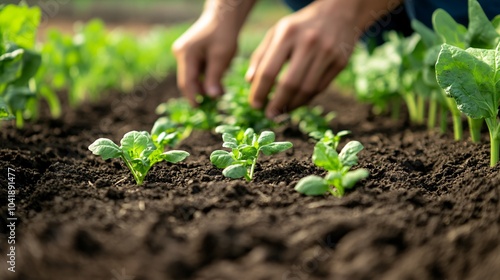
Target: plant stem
(431, 117)
(137, 178)
(420, 109)
(443, 121)
(475, 129)
(457, 118)
(411, 104)
(250, 176)
(19, 119)
(494, 128)
(396, 109)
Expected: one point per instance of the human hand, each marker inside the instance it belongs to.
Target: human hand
(317, 41)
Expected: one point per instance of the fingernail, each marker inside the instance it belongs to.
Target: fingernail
(250, 73)
(214, 91)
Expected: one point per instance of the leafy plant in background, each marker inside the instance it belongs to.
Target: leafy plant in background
(472, 78)
(245, 147)
(339, 177)
(139, 152)
(19, 63)
(311, 119)
(186, 118)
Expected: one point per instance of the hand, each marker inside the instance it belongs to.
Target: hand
(203, 54)
(317, 41)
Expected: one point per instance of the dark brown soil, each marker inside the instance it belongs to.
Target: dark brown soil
(429, 210)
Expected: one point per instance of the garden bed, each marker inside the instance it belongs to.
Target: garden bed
(429, 210)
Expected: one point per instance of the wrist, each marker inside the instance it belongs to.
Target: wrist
(229, 13)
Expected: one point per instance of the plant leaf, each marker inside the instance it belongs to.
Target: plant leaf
(105, 148)
(266, 137)
(481, 32)
(221, 159)
(470, 80)
(137, 144)
(326, 157)
(352, 177)
(235, 171)
(448, 29)
(229, 140)
(175, 156)
(248, 152)
(276, 147)
(312, 185)
(348, 155)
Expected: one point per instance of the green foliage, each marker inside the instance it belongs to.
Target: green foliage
(245, 147)
(472, 78)
(18, 62)
(139, 150)
(311, 119)
(339, 177)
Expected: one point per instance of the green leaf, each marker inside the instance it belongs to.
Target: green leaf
(248, 152)
(470, 80)
(312, 185)
(235, 171)
(4, 111)
(31, 63)
(276, 147)
(326, 157)
(105, 148)
(428, 36)
(496, 23)
(227, 129)
(163, 124)
(348, 155)
(11, 64)
(481, 32)
(175, 156)
(266, 137)
(448, 29)
(352, 177)
(221, 159)
(137, 144)
(229, 140)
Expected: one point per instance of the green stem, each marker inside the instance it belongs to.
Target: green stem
(252, 169)
(475, 129)
(431, 117)
(443, 121)
(457, 118)
(19, 119)
(412, 107)
(420, 109)
(137, 178)
(494, 128)
(457, 127)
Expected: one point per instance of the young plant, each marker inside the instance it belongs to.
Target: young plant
(311, 119)
(139, 152)
(338, 165)
(245, 147)
(472, 78)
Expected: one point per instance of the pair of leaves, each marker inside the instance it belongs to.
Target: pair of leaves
(245, 148)
(139, 152)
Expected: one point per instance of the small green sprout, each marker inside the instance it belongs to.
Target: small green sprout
(338, 165)
(245, 147)
(139, 152)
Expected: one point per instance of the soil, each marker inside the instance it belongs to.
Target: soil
(429, 209)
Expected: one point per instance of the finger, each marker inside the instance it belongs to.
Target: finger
(257, 55)
(329, 75)
(290, 85)
(217, 64)
(188, 74)
(267, 71)
(310, 86)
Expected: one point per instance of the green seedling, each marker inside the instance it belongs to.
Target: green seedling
(339, 177)
(311, 119)
(472, 78)
(245, 147)
(139, 152)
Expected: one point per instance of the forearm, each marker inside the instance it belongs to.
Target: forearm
(361, 14)
(229, 12)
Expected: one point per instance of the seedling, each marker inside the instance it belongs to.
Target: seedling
(472, 78)
(339, 177)
(139, 152)
(245, 147)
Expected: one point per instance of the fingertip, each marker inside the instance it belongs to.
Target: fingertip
(250, 74)
(213, 91)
